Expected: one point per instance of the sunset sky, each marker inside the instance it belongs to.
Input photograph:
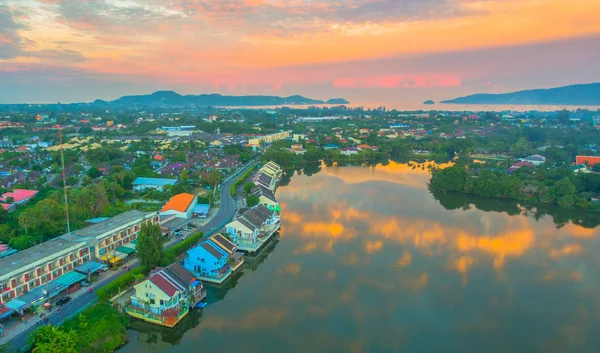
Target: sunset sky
(362, 50)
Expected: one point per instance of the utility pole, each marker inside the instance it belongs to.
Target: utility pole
(62, 158)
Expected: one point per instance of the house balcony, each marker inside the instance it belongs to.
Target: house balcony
(218, 276)
(253, 245)
(169, 317)
(236, 261)
(198, 296)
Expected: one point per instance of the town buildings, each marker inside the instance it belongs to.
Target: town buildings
(35, 273)
(255, 142)
(266, 198)
(180, 206)
(536, 159)
(268, 175)
(166, 296)
(158, 184)
(253, 228)
(590, 161)
(214, 259)
(18, 196)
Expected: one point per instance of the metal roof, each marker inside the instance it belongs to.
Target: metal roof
(154, 181)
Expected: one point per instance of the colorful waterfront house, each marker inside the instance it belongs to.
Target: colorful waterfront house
(267, 198)
(272, 169)
(236, 259)
(263, 179)
(208, 261)
(166, 296)
(253, 228)
(181, 206)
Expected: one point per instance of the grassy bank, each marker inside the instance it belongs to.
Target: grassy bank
(240, 181)
(100, 328)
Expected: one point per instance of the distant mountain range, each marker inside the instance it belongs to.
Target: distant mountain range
(170, 98)
(584, 94)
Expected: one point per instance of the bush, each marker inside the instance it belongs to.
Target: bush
(100, 328)
(121, 283)
(240, 181)
(170, 255)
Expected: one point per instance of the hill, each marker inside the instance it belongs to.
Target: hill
(170, 98)
(584, 94)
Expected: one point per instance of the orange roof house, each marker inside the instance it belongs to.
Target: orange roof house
(587, 160)
(181, 206)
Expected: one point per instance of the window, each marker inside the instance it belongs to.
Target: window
(162, 302)
(152, 301)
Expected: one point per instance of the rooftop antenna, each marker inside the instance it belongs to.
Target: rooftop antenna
(62, 158)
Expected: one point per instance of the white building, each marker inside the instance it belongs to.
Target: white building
(180, 206)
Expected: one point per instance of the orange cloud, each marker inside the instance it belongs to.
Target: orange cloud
(289, 269)
(247, 322)
(514, 243)
(399, 81)
(567, 250)
(405, 260)
(330, 229)
(373, 246)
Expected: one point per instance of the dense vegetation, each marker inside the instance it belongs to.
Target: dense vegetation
(100, 328)
(120, 283)
(554, 186)
(240, 181)
(149, 249)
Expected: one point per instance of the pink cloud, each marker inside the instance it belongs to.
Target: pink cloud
(400, 81)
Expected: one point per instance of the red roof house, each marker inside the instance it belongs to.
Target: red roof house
(19, 195)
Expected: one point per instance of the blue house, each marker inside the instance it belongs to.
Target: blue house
(210, 260)
(331, 146)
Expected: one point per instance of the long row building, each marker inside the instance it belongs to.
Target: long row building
(255, 227)
(43, 271)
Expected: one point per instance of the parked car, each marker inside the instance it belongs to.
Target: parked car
(84, 283)
(187, 229)
(62, 301)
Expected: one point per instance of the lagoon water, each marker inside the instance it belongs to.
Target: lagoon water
(368, 260)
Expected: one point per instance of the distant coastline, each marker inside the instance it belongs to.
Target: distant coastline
(584, 94)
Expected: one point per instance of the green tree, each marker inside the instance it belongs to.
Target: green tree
(248, 187)
(563, 116)
(51, 339)
(596, 168)
(185, 175)
(449, 179)
(6, 233)
(252, 200)
(564, 192)
(150, 245)
(93, 172)
(213, 178)
(3, 215)
(22, 242)
(77, 168)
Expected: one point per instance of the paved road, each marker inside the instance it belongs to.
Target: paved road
(225, 214)
(226, 205)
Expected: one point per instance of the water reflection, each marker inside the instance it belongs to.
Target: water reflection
(369, 261)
